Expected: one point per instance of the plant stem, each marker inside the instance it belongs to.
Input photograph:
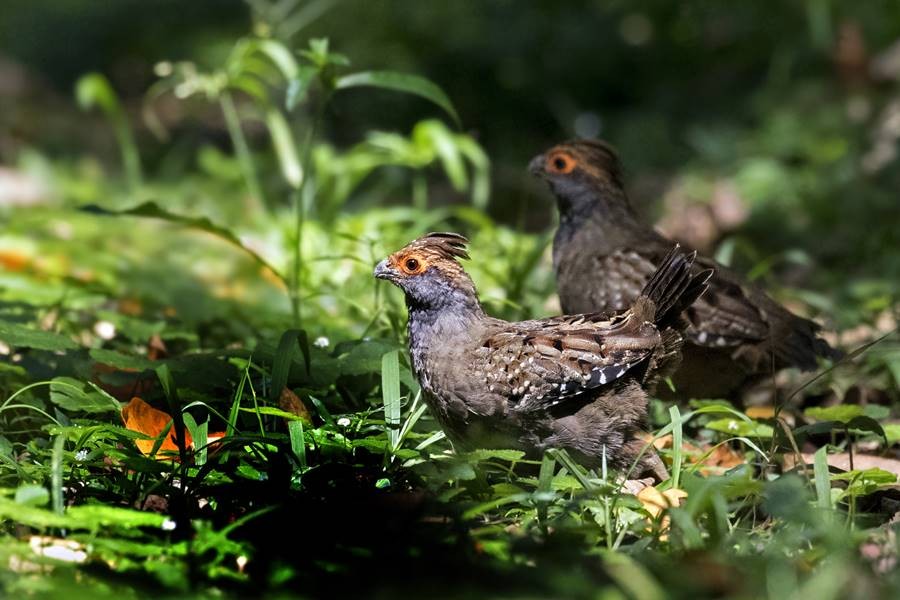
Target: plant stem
(242, 150)
(298, 197)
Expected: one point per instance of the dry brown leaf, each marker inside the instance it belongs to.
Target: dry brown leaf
(724, 457)
(290, 402)
(140, 416)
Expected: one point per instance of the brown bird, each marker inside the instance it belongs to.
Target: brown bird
(604, 254)
(576, 382)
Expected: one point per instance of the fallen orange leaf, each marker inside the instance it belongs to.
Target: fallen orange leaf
(761, 412)
(655, 502)
(290, 402)
(140, 416)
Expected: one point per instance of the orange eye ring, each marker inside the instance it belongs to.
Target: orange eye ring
(411, 265)
(561, 163)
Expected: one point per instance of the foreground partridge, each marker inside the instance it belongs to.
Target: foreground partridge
(604, 255)
(574, 382)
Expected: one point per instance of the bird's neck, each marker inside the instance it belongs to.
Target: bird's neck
(595, 210)
(439, 327)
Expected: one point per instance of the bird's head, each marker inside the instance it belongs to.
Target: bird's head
(581, 173)
(428, 271)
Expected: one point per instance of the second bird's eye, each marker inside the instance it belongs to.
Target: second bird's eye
(561, 163)
(411, 264)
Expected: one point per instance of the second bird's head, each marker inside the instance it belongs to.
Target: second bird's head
(428, 271)
(581, 174)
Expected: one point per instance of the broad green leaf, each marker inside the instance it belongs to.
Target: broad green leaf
(121, 361)
(401, 82)
(874, 475)
(32, 495)
(87, 517)
(73, 395)
(154, 211)
(365, 357)
(841, 412)
(487, 454)
(868, 424)
(739, 427)
(19, 336)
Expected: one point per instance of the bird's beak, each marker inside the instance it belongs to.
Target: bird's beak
(536, 166)
(383, 271)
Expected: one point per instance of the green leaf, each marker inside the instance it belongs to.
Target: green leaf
(87, 517)
(365, 357)
(868, 424)
(32, 495)
(284, 357)
(675, 415)
(401, 82)
(823, 485)
(93, 90)
(390, 393)
(154, 211)
(285, 149)
(121, 361)
(279, 54)
(841, 412)
(487, 454)
(271, 411)
(874, 475)
(298, 440)
(19, 336)
(73, 395)
(742, 428)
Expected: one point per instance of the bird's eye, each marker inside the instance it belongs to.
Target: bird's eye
(411, 264)
(561, 163)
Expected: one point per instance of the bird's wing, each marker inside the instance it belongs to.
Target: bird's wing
(726, 315)
(538, 364)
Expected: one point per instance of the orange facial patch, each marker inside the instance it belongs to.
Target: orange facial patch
(410, 263)
(560, 162)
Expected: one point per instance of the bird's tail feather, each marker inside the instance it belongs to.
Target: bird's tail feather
(672, 288)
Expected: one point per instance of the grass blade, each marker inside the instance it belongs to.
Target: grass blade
(677, 457)
(56, 474)
(390, 393)
(298, 441)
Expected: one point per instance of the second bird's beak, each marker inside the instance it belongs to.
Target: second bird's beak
(536, 166)
(383, 271)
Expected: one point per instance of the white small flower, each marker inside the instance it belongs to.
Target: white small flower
(105, 330)
(168, 525)
(321, 342)
(732, 426)
(81, 454)
(343, 422)
(241, 563)
(4, 348)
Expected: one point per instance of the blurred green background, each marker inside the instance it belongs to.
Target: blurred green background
(790, 110)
